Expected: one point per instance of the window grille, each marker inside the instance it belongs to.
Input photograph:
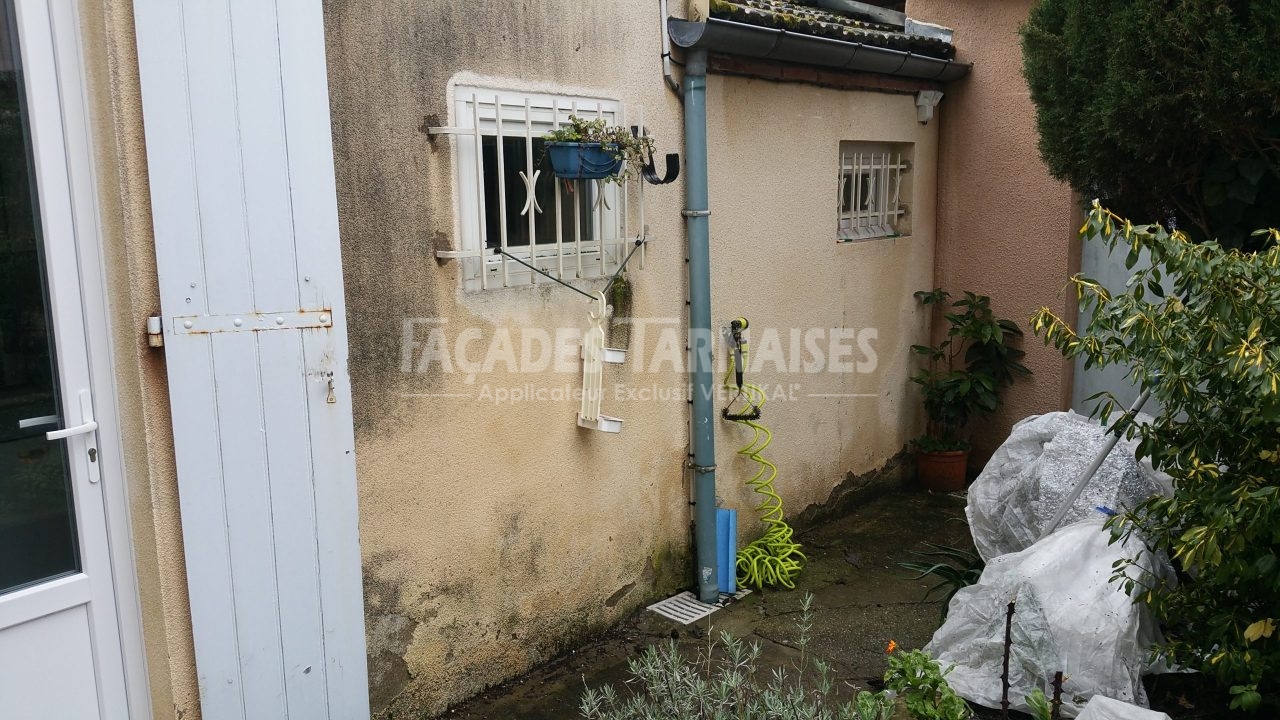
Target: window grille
(875, 188)
(510, 205)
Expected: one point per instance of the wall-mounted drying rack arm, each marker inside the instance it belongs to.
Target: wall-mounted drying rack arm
(640, 241)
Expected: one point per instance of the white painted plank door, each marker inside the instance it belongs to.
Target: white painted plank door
(235, 104)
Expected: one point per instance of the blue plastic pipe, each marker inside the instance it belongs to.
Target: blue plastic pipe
(727, 555)
(697, 225)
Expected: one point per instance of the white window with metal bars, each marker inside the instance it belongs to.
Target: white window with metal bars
(514, 213)
(875, 190)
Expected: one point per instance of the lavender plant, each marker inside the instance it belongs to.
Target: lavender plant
(724, 683)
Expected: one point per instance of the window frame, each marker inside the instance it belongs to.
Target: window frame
(529, 115)
(882, 209)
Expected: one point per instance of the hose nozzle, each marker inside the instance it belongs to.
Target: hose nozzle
(736, 326)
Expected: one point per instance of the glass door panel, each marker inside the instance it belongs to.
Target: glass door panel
(37, 523)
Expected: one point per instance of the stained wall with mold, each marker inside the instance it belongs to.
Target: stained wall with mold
(495, 536)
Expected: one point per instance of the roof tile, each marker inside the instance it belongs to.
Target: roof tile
(800, 16)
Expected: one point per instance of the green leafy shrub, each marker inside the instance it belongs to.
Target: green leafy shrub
(1039, 704)
(1209, 351)
(922, 685)
(956, 568)
(1162, 107)
(967, 370)
(723, 683)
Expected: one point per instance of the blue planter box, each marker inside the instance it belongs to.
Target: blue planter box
(584, 161)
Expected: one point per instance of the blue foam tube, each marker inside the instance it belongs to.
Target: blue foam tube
(727, 550)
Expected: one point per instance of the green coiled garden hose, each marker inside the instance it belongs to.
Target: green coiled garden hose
(775, 558)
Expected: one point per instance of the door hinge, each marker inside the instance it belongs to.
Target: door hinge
(155, 331)
(253, 322)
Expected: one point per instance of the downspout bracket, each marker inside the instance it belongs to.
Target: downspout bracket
(695, 213)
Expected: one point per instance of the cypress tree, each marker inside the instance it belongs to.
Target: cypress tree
(1167, 110)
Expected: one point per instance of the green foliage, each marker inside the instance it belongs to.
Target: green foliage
(873, 706)
(966, 372)
(1209, 351)
(965, 571)
(1039, 704)
(723, 683)
(922, 685)
(1245, 697)
(633, 150)
(1162, 108)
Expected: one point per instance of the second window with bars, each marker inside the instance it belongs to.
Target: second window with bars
(874, 195)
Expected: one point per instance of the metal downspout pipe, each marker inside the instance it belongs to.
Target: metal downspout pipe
(697, 225)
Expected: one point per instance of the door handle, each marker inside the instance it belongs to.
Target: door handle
(38, 421)
(87, 425)
(68, 432)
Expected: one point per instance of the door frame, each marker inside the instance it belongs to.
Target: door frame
(62, 20)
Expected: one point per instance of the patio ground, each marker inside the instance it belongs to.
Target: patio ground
(861, 600)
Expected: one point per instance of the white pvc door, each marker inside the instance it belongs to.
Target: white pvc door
(60, 648)
(236, 109)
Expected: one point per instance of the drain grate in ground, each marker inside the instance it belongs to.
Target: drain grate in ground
(687, 608)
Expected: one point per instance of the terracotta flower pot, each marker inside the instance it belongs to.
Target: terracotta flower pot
(944, 471)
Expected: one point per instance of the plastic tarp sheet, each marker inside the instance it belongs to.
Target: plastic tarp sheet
(1069, 617)
(1032, 473)
(1104, 708)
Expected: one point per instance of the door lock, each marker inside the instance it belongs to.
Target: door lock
(93, 454)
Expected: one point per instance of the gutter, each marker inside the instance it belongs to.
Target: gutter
(734, 38)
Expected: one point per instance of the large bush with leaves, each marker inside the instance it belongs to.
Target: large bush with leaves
(1163, 108)
(1209, 351)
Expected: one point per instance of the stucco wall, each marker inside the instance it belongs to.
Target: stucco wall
(1005, 228)
(495, 537)
(128, 244)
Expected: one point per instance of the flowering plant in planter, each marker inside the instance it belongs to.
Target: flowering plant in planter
(594, 150)
(965, 372)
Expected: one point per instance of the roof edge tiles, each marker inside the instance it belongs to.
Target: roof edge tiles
(820, 19)
(729, 37)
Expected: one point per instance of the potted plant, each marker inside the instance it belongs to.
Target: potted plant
(963, 377)
(594, 150)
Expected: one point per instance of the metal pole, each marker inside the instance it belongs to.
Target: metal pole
(1008, 650)
(697, 225)
(1090, 471)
